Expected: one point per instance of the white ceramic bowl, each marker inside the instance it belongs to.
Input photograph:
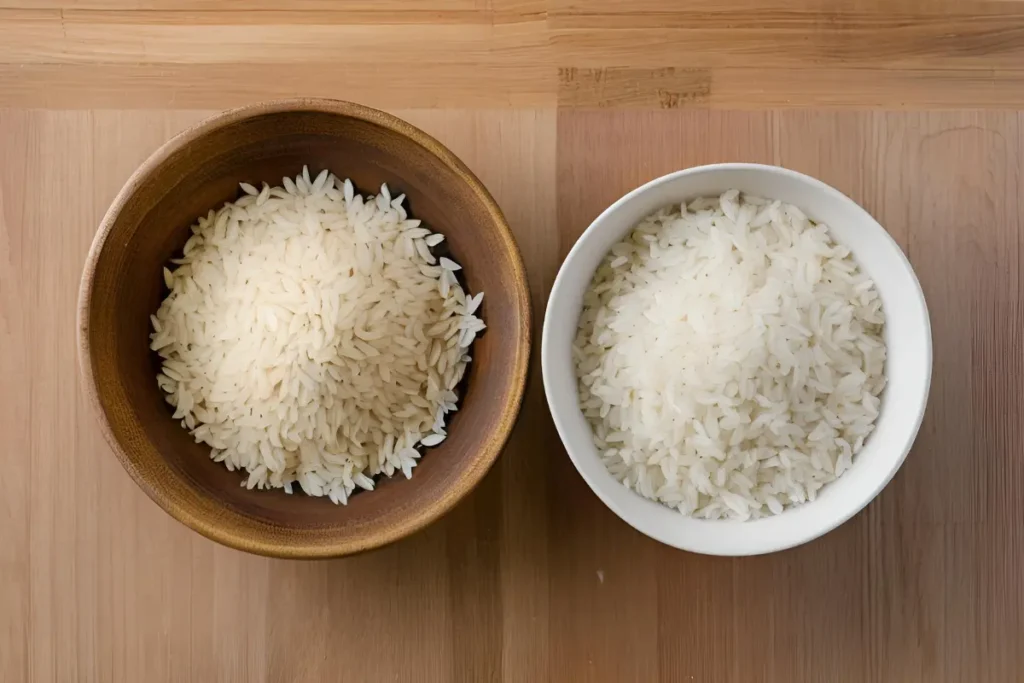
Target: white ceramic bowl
(908, 364)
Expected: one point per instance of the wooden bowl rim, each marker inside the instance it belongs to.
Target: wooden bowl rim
(466, 479)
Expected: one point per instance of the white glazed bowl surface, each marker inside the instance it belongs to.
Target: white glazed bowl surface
(908, 364)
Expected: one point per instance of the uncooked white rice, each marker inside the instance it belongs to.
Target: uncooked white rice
(311, 336)
(730, 357)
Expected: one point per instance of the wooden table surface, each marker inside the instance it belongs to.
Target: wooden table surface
(912, 107)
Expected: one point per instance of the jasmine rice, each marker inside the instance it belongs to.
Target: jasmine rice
(730, 358)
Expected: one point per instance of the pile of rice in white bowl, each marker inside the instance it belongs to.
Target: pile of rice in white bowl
(730, 358)
(311, 336)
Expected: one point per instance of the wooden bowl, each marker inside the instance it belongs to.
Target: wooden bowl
(148, 223)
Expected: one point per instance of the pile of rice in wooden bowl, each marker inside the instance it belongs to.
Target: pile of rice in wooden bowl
(305, 327)
(737, 358)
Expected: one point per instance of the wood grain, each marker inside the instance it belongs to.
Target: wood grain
(532, 578)
(496, 53)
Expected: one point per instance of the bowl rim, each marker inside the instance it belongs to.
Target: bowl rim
(559, 411)
(465, 480)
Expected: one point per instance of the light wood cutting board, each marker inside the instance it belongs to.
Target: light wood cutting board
(560, 106)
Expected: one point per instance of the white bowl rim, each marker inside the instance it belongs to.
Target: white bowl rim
(756, 546)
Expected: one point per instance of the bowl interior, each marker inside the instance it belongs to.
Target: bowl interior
(149, 223)
(908, 366)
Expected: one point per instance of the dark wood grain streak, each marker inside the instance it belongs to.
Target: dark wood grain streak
(721, 54)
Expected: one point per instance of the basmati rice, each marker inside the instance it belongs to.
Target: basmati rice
(307, 336)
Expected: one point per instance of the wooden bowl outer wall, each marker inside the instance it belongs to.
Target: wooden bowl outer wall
(148, 222)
